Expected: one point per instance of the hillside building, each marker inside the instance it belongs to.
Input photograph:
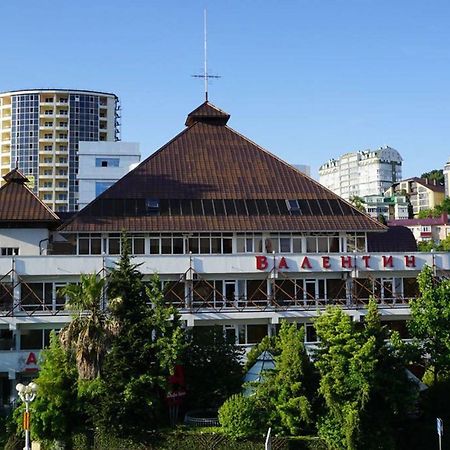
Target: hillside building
(362, 173)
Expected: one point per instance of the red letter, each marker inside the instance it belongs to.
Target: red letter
(346, 262)
(387, 261)
(283, 263)
(31, 359)
(410, 261)
(261, 262)
(366, 259)
(306, 263)
(326, 262)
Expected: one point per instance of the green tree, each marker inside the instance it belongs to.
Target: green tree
(435, 174)
(237, 417)
(284, 397)
(56, 410)
(142, 354)
(363, 381)
(90, 329)
(210, 351)
(347, 369)
(358, 203)
(430, 321)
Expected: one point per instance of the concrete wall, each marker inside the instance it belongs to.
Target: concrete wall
(27, 239)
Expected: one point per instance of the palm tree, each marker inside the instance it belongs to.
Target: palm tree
(90, 329)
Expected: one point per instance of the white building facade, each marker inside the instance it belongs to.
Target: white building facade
(362, 173)
(447, 178)
(101, 164)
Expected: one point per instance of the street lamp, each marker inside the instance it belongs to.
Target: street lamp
(27, 393)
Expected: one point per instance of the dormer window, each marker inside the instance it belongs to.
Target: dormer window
(152, 206)
(294, 207)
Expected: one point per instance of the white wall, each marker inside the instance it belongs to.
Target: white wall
(88, 174)
(27, 239)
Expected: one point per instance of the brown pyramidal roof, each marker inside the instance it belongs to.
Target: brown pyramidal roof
(19, 207)
(211, 178)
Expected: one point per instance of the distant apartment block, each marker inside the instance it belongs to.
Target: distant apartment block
(422, 192)
(101, 164)
(434, 229)
(447, 178)
(362, 173)
(391, 208)
(40, 131)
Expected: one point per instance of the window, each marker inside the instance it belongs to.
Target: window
(62, 161)
(48, 160)
(48, 196)
(48, 124)
(152, 206)
(48, 136)
(101, 186)
(63, 148)
(293, 207)
(62, 135)
(62, 196)
(63, 124)
(48, 148)
(48, 184)
(107, 162)
(9, 251)
(62, 184)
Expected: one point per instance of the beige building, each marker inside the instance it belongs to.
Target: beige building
(39, 134)
(423, 193)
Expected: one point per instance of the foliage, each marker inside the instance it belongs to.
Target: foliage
(363, 381)
(430, 321)
(142, 354)
(90, 329)
(435, 174)
(237, 416)
(358, 203)
(437, 211)
(212, 366)
(283, 398)
(56, 411)
(268, 343)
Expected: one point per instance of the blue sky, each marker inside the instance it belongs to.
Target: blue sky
(308, 80)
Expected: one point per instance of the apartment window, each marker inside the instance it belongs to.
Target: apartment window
(48, 136)
(62, 160)
(48, 160)
(101, 186)
(62, 196)
(49, 100)
(64, 112)
(48, 112)
(62, 184)
(63, 100)
(107, 162)
(48, 124)
(48, 196)
(63, 124)
(48, 148)
(63, 148)
(63, 135)
(48, 184)
(9, 251)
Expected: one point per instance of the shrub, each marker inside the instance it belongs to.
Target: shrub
(237, 417)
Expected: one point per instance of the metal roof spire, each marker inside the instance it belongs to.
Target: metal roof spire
(205, 74)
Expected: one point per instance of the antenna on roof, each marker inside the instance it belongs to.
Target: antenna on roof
(205, 74)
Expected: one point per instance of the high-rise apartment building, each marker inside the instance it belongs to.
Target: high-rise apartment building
(40, 131)
(362, 173)
(447, 178)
